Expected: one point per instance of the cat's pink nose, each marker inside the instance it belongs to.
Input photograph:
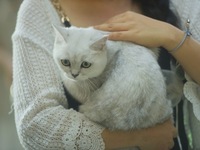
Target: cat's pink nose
(75, 75)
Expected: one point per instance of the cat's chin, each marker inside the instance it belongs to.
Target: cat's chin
(77, 79)
(81, 79)
(71, 79)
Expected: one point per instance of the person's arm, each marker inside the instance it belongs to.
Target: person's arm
(188, 55)
(43, 119)
(149, 32)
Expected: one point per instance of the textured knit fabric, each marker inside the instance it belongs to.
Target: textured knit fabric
(190, 9)
(42, 118)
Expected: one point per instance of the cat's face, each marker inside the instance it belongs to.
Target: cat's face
(77, 55)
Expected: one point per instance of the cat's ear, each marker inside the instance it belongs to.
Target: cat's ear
(100, 44)
(59, 33)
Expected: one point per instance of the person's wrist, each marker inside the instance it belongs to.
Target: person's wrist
(121, 139)
(172, 37)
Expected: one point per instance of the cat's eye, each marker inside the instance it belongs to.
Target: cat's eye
(65, 62)
(85, 64)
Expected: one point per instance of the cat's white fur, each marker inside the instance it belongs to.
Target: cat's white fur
(123, 89)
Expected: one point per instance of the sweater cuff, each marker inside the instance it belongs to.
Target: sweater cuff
(86, 134)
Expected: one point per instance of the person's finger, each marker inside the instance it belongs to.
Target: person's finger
(121, 36)
(112, 27)
(171, 145)
(175, 133)
(124, 17)
(118, 18)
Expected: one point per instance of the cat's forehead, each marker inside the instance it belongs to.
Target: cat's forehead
(83, 34)
(76, 53)
(77, 42)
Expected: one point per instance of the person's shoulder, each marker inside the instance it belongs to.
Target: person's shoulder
(33, 20)
(33, 11)
(33, 6)
(31, 3)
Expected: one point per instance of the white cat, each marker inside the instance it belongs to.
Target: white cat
(119, 84)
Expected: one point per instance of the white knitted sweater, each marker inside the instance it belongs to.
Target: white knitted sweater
(42, 118)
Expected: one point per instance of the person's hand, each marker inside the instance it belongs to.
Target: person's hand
(139, 29)
(159, 137)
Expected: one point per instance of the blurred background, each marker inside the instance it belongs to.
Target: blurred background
(8, 134)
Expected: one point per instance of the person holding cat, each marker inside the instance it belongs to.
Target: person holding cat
(43, 117)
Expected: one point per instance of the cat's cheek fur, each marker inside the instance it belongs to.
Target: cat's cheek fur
(100, 65)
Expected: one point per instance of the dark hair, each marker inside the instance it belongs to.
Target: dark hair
(160, 10)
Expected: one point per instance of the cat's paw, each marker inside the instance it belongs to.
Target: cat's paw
(82, 108)
(90, 112)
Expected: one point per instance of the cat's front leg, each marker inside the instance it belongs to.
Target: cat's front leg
(101, 109)
(91, 110)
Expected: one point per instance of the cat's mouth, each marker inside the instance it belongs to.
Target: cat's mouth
(75, 78)
(70, 78)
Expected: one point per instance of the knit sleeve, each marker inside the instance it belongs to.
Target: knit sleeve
(42, 119)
